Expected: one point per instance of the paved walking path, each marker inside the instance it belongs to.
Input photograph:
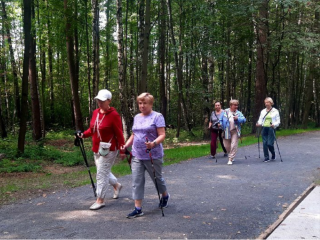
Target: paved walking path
(209, 200)
(303, 222)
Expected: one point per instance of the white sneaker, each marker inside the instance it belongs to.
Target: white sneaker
(97, 206)
(229, 162)
(117, 191)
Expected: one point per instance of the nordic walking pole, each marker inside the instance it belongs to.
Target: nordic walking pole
(259, 141)
(154, 175)
(79, 142)
(274, 134)
(238, 132)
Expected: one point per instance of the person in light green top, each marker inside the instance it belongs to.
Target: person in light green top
(269, 120)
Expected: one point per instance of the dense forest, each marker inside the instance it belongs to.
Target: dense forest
(57, 54)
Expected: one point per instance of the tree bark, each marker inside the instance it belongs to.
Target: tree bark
(95, 48)
(122, 81)
(144, 34)
(72, 69)
(261, 68)
(12, 60)
(24, 92)
(178, 65)
(162, 59)
(34, 88)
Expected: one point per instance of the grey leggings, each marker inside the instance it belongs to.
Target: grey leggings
(138, 176)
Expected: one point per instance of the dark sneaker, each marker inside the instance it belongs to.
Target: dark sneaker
(273, 158)
(135, 213)
(225, 155)
(266, 160)
(164, 201)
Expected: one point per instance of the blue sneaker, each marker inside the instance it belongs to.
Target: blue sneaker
(135, 213)
(164, 201)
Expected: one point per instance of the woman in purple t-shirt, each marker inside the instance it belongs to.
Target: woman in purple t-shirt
(148, 132)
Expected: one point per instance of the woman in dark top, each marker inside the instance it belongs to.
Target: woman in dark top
(215, 129)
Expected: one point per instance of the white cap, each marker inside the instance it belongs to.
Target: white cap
(104, 95)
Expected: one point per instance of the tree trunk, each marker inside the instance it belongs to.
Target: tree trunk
(50, 59)
(144, 33)
(261, 71)
(122, 81)
(95, 47)
(206, 104)
(72, 69)
(90, 98)
(24, 92)
(162, 59)
(12, 60)
(34, 89)
(182, 111)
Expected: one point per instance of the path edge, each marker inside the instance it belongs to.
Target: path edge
(285, 214)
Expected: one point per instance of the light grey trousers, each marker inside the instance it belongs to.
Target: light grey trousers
(138, 176)
(104, 174)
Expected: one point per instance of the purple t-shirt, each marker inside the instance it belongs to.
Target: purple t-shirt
(146, 126)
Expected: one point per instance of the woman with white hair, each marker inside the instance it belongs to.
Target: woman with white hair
(107, 139)
(231, 124)
(269, 120)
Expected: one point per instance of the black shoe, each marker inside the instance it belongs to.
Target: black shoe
(273, 158)
(164, 201)
(267, 160)
(135, 213)
(225, 155)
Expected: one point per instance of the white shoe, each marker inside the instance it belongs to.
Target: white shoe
(229, 162)
(117, 191)
(97, 206)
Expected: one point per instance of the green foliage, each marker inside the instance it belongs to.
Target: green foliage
(57, 148)
(19, 165)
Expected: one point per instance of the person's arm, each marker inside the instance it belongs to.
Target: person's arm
(259, 123)
(129, 141)
(117, 128)
(276, 119)
(161, 136)
(241, 118)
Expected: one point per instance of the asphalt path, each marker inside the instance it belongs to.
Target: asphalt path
(209, 200)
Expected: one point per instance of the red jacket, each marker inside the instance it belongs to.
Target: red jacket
(110, 127)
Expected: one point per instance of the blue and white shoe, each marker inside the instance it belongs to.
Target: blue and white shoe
(135, 213)
(164, 201)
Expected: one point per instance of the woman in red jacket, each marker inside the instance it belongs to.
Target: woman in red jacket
(107, 138)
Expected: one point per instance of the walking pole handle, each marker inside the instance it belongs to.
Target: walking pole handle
(148, 149)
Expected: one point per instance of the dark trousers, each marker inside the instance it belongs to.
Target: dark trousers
(268, 137)
(215, 133)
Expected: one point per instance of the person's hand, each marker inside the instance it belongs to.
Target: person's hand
(272, 125)
(123, 148)
(80, 134)
(258, 125)
(235, 117)
(149, 145)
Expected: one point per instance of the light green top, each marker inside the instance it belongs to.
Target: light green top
(267, 120)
